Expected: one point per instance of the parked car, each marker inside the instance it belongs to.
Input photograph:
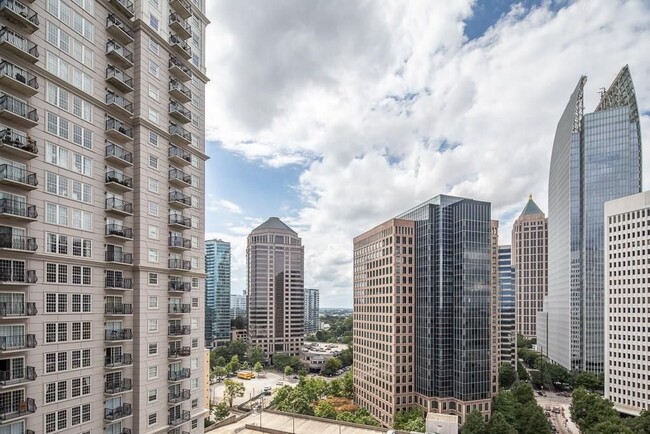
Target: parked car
(279, 383)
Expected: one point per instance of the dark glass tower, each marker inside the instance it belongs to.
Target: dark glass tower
(507, 332)
(596, 158)
(217, 291)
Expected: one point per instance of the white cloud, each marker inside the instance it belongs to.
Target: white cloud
(220, 205)
(369, 96)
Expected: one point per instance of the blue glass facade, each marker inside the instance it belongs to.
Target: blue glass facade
(217, 291)
(507, 332)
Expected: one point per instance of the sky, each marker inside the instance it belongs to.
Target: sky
(336, 115)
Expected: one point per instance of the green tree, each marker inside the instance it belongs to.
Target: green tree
(523, 393)
(590, 409)
(409, 420)
(288, 370)
(499, 425)
(239, 323)
(280, 361)
(220, 411)
(331, 365)
(255, 355)
(300, 405)
(474, 424)
(611, 426)
(506, 404)
(234, 363)
(507, 375)
(347, 385)
(325, 409)
(640, 424)
(345, 356)
(522, 342)
(588, 381)
(522, 373)
(531, 419)
(244, 366)
(258, 368)
(218, 371)
(232, 390)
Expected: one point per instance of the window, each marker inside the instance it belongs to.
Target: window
(81, 303)
(153, 302)
(153, 139)
(195, 222)
(80, 414)
(80, 359)
(81, 247)
(195, 161)
(56, 303)
(153, 93)
(56, 332)
(154, 69)
(71, 18)
(195, 242)
(195, 323)
(153, 185)
(153, 162)
(152, 372)
(195, 282)
(56, 362)
(153, 232)
(71, 103)
(195, 262)
(81, 275)
(194, 363)
(195, 181)
(195, 201)
(153, 325)
(56, 65)
(56, 421)
(80, 387)
(153, 209)
(153, 46)
(153, 278)
(195, 141)
(57, 155)
(152, 419)
(195, 342)
(194, 383)
(153, 21)
(56, 273)
(57, 243)
(195, 423)
(153, 348)
(153, 256)
(152, 395)
(153, 115)
(195, 302)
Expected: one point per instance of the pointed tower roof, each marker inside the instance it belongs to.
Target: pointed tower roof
(531, 208)
(274, 224)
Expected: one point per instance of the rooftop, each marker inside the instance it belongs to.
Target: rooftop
(531, 208)
(273, 224)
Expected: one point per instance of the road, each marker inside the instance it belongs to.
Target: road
(563, 419)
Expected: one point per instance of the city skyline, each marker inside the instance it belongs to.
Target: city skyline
(415, 110)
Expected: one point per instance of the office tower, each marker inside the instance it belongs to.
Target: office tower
(276, 289)
(596, 158)
(312, 316)
(217, 292)
(101, 189)
(423, 286)
(495, 333)
(237, 305)
(507, 332)
(530, 262)
(626, 295)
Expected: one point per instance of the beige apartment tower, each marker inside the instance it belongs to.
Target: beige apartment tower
(276, 289)
(102, 216)
(530, 262)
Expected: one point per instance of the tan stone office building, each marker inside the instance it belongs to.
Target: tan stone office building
(102, 216)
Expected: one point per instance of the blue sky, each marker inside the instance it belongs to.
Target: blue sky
(337, 115)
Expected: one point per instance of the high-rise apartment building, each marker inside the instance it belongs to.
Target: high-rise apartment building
(423, 286)
(102, 216)
(217, 292)
(530, 262)
(506, 310)
(276, 289)
(596, 158)
(627, 240)
(312, 315)
(237, 305)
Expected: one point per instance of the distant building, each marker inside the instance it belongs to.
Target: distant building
(217, 291)
(312, 318)
(238, 335)
(237, 305)
(627, 238)
(276, 289)
(507, 332)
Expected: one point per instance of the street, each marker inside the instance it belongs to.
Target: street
(563, 419)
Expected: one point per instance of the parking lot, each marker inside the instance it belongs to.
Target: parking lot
(253, 386)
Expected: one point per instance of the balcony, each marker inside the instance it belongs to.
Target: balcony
(18, 177)
(179, 91)
(117, 155)
(118, 29)
(119, 257)
(174, 353)
(15, 43)
(179, 264)
(179, 419)
(119, 54)
(178, 198)
(179, 156)
(177, 308)
(16, 278)
(179, 286)
(118, 335)
(118, 231)
(18, 79)
(179, 396)
(179, 330)
(179, 178)
(17, 376)
(118, 181)
(120, 104)
(179, 374)
(15, 110)
(15, 409)
(115, 387)
(17, 309)
(18, 13)
(17, 209)
(18, 242)
(118, 361)
(124, 410)
(179, 112)
(17, 342)
(18, 144)
(124, 6)
(180, 26)
(179, 70)
(177, 431)
(179, 221)
(179, 243)
(118, 283)
(118, 130)
(117, 78)
(118, 309)
(182, 7)
(118, 206)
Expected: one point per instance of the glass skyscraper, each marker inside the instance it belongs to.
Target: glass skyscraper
(596, 158)
(507, 332)
(217, 291)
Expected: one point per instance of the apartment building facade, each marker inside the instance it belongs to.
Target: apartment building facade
(101, 215)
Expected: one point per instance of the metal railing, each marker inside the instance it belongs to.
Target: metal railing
(18, 242)
(177, 152)
(15, 409)
(177, 285)
(114, 124)
(179, 374)
(114, 47)
(119, 412)
(178, 419)
(10, 70)
(118, 360)
(178, 174)
(18, 107)
(179, 352)
(119, 100)
(179, 264)
(118, 256)
(126, 4)
(179, 308)
(112, 71)
(119, 230)
(180, 87)
(18, 375)
(119, 282)
(178, 196)
(175, 18)
(17, 308)
(17, 140)
(17, 342)
(179, 330)
(112, 19)
(8, 275)
(119, 178)
(17, 208)
(113, 150)
(18, 174)
(179, 219)
(18, 41)
(118, 335)
(180, 242)
(175, 63)
(175, 106)
(119, 205)
(179, 396)
(118, 386)
(118, 309)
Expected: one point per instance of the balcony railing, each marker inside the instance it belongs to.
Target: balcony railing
(178, 396)
(18, 111)
(115, 282)
(119, 154)
(179, 155)
(119, 79)
(118, 335)
(118, 309)
(180, 26)
(179, 264)
(17, 342)
(179, 330)
(18, 208)
(179, 308)
(179, 286)
(177, 431)
(120, 101)
(180, 91)
(9, 276)
(17, 78)
(20, 408)
(179, 352)
(180, 176)
(120, 386)
(17, 308)
(180, 220)
(119, 53)
(18, 143)
(17, 12)
(118, 230)
(18, 242)
(124, 6)
(18, 176)
(183, 7)
(179, 242)
(179, 69)
(177, 419)
(18, 44)
(119, 178)
(179, 374)
(120, 412)
(179, 112)
(118, 205)
(121, 257)
(118, 29)
(17, 376)
(180, 198)
(115, 126)
(118, 361)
